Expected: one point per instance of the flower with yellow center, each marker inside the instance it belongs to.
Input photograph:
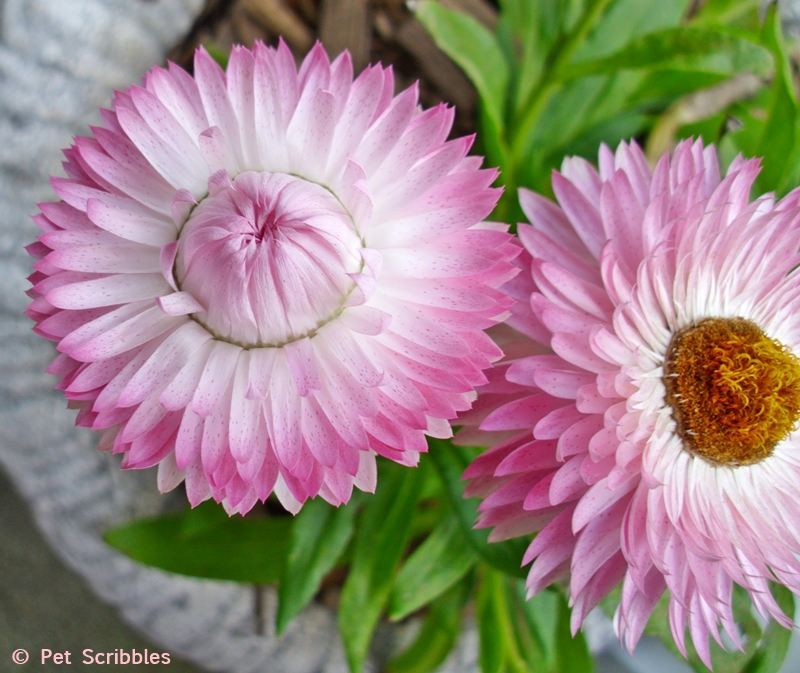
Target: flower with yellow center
(734, 392)
(651, 395)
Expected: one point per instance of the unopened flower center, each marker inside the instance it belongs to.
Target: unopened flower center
(734, 391)
(268, 258)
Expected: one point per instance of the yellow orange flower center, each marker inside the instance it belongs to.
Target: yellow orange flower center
(734, 391)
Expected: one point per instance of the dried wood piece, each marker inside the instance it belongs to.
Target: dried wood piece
(480, 10)
(384, 26)
(307, 9)
(277, 18)
(345, 24)
(438, 68)
(245, 30)
(222, 37)
(213, 13)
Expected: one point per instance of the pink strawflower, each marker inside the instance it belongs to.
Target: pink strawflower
(260, 279)
(650, 410)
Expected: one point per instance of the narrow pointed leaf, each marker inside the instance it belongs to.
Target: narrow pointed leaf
(491, 650)
(379, 544)
(450, 463)
(480, 56)
(498, 648)
(780, 131)
(723, 11)
(774, 644)
(440, 561)
(571, 653)
(438, 634)
(205, 542)
(319, 537)
(681, 48)
(473, 48)
(540, 616)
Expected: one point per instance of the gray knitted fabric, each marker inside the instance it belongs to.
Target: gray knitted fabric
(59, 61)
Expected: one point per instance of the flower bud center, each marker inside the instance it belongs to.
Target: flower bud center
(268, 258)
(734, 391)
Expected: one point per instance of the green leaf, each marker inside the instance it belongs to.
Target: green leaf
(660, 88)
(716, 12)
(524, 124)
(709, 130)
(624, 20)
(529, 33)
(473, 48)
(479, 55)
(438, 563)
(498, 650)
(612, 131)
(540, 614)
(220, 55)
(525, 636)
(780, 131)
(774, 644)
(432, 507)
(319, 537)
(491, 652)
(571, 653)
(450, 463)
(438, 634)
(748, 121)
(205, 542)
(380, 540)
(548, 616)
(681, 48)
(791, 176)
(560, 113)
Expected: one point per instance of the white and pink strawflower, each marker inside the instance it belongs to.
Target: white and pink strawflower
(650, 410)
(259, 279)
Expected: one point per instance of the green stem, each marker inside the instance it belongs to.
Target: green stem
(497, 587)
(551, 79)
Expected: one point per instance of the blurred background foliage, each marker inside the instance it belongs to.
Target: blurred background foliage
(558, 78)
(553, 78)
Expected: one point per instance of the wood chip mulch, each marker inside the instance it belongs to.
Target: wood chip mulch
(373, 31)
